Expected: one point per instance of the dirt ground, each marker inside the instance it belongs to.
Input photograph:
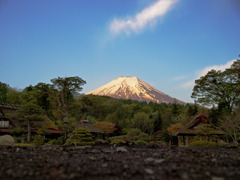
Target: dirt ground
(106, 162)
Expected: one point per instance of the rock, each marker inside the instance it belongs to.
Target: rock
(158, 161)
(150, 159)
(185, 176)
(121, 149)
(92, 158)
(217, 178)
(149, 171)
(6, 140)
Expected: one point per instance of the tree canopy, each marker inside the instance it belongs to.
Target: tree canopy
(3, 92)
(67, 87)
(219, 88)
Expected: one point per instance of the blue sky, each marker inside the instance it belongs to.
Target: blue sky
(166, 43)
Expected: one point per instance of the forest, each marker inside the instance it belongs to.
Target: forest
(60, 105)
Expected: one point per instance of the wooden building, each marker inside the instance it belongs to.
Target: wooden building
(6, 123)
(201, 127)
(85, 124)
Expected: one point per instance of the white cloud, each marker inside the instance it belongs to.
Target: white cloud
(203, 72)
(215, 67)
(146, 17)
(188, 84)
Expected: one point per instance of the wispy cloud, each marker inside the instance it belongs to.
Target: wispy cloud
(203, 72)
(215, 67)
(188, 84)
(147, 16)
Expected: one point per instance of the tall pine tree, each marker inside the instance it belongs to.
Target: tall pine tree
(158, 122)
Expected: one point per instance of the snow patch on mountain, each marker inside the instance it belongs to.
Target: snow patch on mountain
(133, 88)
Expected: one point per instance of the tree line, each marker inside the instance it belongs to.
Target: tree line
(63, 104)
(217, 95)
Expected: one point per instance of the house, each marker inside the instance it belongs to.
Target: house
(6, 123)
(199, 126)
(87, 125)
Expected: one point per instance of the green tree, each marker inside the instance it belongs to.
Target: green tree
(14, 96)
(234, 73)
(80, 137)
(3, 92)
(158, 123)
(141, 121)
(192, 109)
(230, 124)
(67, 88)
(43, 95)
(175, 109)
(219, 88)
(29, 94)
(107, 127)
(30, 113)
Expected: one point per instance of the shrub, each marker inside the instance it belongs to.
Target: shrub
(59, 141)
(107, 127)
(151, 144)
(23, 145)
(38, 140)
(100, 141)
(20, 139)
(134, 132)
(140, 143)
(224, 144)
(80, 137)
(41, 131)
(203, 143)
(118, 141)
(143, 136)
(158, 144)
(125, 138)
(17, 130)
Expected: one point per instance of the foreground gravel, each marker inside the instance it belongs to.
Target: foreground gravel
(105, 162)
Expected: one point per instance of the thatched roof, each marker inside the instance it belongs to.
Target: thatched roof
(192, 127)
(85, 124)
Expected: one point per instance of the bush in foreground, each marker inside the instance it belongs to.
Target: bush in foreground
(59, 141)
(118, 141)
(140, 143)
(80, 137)
(203, 143)
(38, 140)
(100, 142)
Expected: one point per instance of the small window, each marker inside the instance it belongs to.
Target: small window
(4, 124)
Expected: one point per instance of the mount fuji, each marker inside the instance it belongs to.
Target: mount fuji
(135, 89)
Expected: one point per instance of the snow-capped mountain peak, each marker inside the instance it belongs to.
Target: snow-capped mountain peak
(126, 87)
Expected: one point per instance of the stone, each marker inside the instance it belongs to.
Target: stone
(6, 140)
(217, 178)
(121, 149)
(92, 158)
(149, 171)
(158, 161)
(150, 159)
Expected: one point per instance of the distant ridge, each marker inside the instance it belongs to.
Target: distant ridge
(127, 87)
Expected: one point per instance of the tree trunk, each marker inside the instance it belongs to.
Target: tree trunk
(29, 132)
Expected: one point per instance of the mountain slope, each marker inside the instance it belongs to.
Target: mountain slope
(135, 89)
